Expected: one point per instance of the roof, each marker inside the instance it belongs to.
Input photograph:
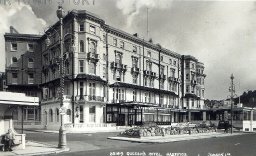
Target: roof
(10, 98)
(90, 77)
(18, 37)
(127, 85)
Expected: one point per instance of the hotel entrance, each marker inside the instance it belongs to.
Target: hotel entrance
(126, 114)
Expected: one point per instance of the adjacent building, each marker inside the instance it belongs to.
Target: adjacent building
(111, 77)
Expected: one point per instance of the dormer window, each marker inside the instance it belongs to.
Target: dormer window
(149, 54)
(81, 27)
(122, 44)
(92, 29)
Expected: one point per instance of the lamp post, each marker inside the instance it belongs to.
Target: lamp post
(232, 93)
(62, 133)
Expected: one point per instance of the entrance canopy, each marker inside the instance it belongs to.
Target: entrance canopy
(9, 98)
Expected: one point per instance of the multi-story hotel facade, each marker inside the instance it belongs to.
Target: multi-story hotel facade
(111, 77)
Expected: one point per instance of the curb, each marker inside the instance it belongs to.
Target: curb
(45, 153)
(173, 140)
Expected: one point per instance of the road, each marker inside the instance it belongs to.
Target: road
(98, 145)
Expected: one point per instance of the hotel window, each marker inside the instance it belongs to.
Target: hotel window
(30, 63)
(92, 89)
(118, 58)
(187, 76)
(193, 66)
(14, 60)
(161, 70)
(135, 79)
(170, 61)
(187, 64)
(81, 44)
(14, 47)
(92, 68)
(161, 100)
(161, 84)
(161, 58)
(51, 115)
(81, 66)
(134, 49)
(57, 115)
(145, 81)
(104, 38)
(81, 90)
(92, 47)
(30, 78)
(151, 82)
(187, 88)
(188, 103)
(118, 76)
(115, 42)
(170, 86)
(149, 66)
(172, 72)
(92, 116)
(134, 62)
(104, 71)
(202, 93)
(193, 102)
(69, 117)
(174, 63)
(134, 95)
(122, 44)
(149, 54)
(15, 78)
(81, 27)
(92, 29)
(147, 98)
(30, 47)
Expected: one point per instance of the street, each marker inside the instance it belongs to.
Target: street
(98, 145)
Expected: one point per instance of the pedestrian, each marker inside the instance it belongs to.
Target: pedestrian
(9, 140)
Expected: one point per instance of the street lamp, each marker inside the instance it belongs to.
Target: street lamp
(62, 133)
(232, 91)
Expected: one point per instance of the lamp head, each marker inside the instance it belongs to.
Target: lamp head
(60, 12)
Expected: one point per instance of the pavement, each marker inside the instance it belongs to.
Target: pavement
(45, 143)
(34, 148)
(175, 138)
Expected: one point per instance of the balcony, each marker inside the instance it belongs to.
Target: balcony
(115, 65)
(173, 79)
(193, 82)
(31, 65)
(93, 57)
(14, 81)
(89, 98)
(149, 73)
(135, 70)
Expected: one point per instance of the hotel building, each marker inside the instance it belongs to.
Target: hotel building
(111, 77)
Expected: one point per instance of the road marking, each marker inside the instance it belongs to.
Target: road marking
(237, 144)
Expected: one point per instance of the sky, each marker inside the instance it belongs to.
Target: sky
(221, 34)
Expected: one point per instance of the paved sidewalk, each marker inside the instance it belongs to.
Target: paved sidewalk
(35, 148)
(174, 138)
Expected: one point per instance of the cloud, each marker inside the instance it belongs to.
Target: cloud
(22, 18)
(131, 8)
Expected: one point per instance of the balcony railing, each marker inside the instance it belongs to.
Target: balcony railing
(115, 65)
(135, 70)
(89, 98)
(149, 73)
(93, 56)
(173, 79)
(14, 81)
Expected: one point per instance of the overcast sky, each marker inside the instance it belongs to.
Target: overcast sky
(221, 34)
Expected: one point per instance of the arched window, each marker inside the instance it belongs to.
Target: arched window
(57, 115)
(14, 60)
(81, 46)
(51, 115)
(92, 47)
(69, 115)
